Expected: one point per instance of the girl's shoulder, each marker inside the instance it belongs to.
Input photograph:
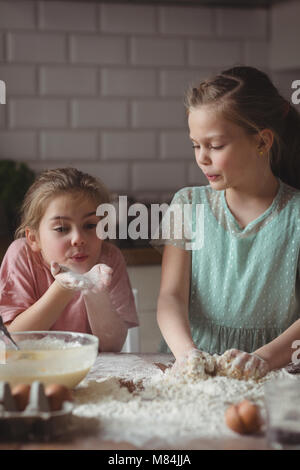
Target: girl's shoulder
(193, 194)
(290, 197)
(20, 257)
(18, 248)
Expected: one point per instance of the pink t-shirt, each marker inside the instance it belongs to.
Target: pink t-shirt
(25, 277)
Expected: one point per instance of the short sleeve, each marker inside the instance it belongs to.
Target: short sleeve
(121, 294)
(17, 291)
(180, 224)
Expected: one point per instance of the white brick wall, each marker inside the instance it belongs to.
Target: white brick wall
(36, 47)
(19, 79)
(1, 47)
(17, 14)
(174, 82)
(128, 82)
(154, 176)
(65, 145)
(19, 145)
(256, 53)
(128, 145)
(234, 23)
(174, 144)
(2, 120)
(157, 114)
(101, 86)
(99, 113)
(214, 53)
(284, 50)
(98, 49)
(156, 51)
(195, 178)
(60, 16)
(36, 113)
(68, 81)
(186, 21)
(127, 19)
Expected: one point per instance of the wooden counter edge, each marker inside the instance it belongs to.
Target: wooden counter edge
(141, 256)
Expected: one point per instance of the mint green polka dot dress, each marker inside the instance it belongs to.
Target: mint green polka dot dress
(245, 286)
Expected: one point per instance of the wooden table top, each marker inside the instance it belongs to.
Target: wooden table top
(94, 441)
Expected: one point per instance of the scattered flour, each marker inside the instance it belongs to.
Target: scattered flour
(163, 411)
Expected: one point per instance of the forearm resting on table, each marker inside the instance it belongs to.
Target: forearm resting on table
(44, 312)
(105, 323)
(278, 353)
(172, 318)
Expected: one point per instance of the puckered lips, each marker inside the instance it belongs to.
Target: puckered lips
(79, 257)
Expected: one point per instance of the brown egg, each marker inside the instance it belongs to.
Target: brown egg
(21, 393)
(233, 420)
(56, 395)
(250, 416)
(243, 417)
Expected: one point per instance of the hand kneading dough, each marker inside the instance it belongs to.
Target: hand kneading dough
(226, 366)
(197, 365)
(201, 365)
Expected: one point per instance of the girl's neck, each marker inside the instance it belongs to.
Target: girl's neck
(248, 203)
(259, 191)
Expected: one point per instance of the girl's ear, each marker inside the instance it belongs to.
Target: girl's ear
(32, 239)
(266, 140)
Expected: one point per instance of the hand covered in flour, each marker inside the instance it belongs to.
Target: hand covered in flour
(95, 280)
(242, 365)
(194, 365)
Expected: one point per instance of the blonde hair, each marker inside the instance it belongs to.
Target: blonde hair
(52, 183)
(247, 97)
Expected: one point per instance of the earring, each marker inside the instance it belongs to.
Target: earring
(261, 153)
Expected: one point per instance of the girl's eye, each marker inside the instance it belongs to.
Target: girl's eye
(217, 147)
(91, 226)
(60, 229)
(213, 147)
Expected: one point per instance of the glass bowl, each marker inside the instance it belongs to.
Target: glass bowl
(60, 357)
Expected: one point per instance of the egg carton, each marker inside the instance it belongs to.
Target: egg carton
(37, 421)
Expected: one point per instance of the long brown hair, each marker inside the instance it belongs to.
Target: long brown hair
(247, 97)
(52, 183)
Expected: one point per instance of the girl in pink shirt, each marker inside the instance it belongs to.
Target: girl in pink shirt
(57, 274)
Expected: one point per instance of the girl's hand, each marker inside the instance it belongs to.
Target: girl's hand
(95, 280)
(181, 361)
(243, 365)
(194, 364)
(100, 276)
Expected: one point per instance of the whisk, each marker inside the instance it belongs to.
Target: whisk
(4, 330)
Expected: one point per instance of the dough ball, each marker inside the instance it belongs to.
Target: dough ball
(196, 366)
(225, 367)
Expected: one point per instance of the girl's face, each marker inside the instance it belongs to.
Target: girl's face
(67, 233)
(224, 152)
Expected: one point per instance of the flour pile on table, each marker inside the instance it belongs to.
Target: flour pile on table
(158, 409)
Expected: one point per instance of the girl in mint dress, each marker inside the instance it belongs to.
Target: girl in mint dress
(236, 288)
